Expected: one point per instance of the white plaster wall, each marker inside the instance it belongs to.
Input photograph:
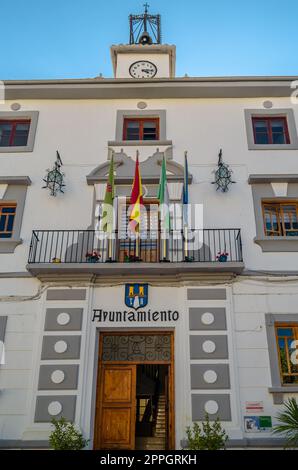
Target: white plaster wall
(22, 333)
(124, 61)
(247, 303)
(80, 131)
(252, 299)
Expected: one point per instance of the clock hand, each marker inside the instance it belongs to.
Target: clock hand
(146, 70)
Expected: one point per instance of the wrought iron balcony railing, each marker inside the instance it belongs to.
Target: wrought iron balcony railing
(91, 246)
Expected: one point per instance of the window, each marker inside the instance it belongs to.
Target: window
(14, 133)
(7, 216)
(281, 219)
(141, 129)
(287, 346)
(270, 130)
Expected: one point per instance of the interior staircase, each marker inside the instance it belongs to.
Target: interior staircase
(158, 440)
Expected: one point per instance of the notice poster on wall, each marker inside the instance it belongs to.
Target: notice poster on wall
(257, 423)
(254, 407)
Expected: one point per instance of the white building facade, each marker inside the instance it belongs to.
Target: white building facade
(223, 332)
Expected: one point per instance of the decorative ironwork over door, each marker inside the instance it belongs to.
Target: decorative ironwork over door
(132, 348)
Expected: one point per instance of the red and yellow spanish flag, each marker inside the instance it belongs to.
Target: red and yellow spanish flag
(136, 199)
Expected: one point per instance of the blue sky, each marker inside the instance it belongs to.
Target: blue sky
(71, 38)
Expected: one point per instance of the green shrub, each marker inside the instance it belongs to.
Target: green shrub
(288, 423)
(65, 436)
(207, 436)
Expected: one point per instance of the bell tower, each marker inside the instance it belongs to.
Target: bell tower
(145, 57)
(145, 28)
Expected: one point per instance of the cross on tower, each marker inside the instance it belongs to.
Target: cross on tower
(146, 5)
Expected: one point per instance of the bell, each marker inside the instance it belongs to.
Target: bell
(145, 39)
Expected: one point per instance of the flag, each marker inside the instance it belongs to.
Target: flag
(185, 199)
(136, 199)
(185, 184)
(163, 197)
(107, 212)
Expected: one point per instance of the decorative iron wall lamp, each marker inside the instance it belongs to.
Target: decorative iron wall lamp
(55, 178)
(223, 175)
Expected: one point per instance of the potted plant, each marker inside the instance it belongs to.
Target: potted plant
(188, 259)
(131, 258)
(206, 436)
(222, 256)
(56, 260)
(92, 256)
(66, 436)
(288, 423)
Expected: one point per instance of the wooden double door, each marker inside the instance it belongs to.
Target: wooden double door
(115, 421)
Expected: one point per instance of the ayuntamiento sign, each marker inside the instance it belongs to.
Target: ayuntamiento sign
(136, 298)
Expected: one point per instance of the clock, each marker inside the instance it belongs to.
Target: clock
(143, 69)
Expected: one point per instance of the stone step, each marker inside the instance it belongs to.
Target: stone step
(151, 440)
(150, 443)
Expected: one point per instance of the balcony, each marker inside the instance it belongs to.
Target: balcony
(103, 254)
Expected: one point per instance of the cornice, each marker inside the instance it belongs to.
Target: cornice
(198, 87)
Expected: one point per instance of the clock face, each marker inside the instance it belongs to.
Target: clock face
(143, 69)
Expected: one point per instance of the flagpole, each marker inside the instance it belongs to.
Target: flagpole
(163, 197)
(110, 254)
(138, 226)
(185, 208)
(107, 213)
(137, 245)
(136, 201)
(185, 242)
(164, 248)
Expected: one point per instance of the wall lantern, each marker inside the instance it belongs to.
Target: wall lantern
(223, 175)
(55, 178)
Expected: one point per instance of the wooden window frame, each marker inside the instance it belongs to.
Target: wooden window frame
(268, 120)
(141, 129)
(14, 123)
(8, 205)
(280, 219)
(295, 338)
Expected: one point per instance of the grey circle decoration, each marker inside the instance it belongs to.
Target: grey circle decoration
(15, 106)
(142, 105)
(268, 104)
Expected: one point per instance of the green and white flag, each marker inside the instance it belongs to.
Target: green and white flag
(163, 197)
(107, 211)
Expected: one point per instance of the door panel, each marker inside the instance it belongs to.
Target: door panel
(116, 427)
(117, 383)
(118, 396)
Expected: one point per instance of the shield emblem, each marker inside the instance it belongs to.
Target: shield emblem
(136, 295)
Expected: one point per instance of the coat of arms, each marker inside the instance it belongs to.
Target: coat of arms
(136, 295)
